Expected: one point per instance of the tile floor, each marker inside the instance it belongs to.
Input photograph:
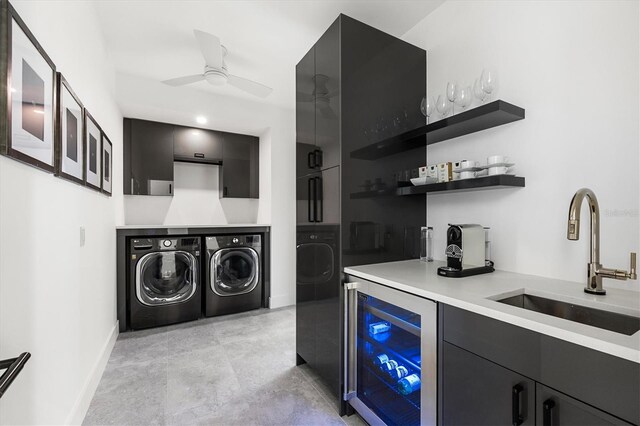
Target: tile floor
(232, 370)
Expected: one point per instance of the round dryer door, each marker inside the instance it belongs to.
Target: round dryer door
(166, 277)
(234, 271)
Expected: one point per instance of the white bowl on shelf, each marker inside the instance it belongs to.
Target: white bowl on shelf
(423, 180)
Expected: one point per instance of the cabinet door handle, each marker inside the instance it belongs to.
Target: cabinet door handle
(310, 160)
(170, 190)
(198, 155)
(349, 335)
(319, 202)
(547, 409)
(516, 412)
(310, 199)
(317, 158)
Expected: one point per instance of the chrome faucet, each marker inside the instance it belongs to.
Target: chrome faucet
(595, 271)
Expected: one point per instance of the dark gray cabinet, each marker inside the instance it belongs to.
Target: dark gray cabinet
(193, 145)
(575, 385)
(479, 392)
(150, 148)
(148, 158)
(239, 174)
(554, 408)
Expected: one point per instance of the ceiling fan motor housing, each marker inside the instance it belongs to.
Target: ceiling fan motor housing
(216, 76)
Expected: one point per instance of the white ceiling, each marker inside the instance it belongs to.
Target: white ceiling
(265, 39)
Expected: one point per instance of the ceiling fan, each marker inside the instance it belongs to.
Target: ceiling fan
(215, 69)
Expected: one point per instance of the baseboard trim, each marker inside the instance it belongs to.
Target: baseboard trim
(83, 401)
(281, 301)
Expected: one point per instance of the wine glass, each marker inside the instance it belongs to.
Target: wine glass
(463, 97)
(452, 91)
(478, 92)
(427, 106)
(488, 81)
(442, 105)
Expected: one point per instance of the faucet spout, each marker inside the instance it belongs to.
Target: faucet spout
(573, 224)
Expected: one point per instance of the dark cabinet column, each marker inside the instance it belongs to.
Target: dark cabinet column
(479, 392)
(239, 174)
(149, 146)
(557, 409)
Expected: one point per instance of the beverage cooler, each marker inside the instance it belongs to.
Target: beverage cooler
(390, 355)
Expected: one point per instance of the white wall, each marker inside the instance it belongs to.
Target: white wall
(574, 67)
(196, 201)
(142, 98)
(57, 299)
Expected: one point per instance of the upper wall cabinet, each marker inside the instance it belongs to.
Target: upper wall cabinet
(318, 105)
(239, 171)
(197, 145)
(148, 158)
(150, 148)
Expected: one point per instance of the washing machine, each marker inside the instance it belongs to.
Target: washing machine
(233, 274)
(164, 285)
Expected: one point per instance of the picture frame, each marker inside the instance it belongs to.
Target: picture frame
(70, 158)
(107, 165)
(93, 152)
(28, 106)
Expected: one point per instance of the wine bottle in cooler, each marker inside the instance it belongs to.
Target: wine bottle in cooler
(409, 384)
(380, 359)
(389, 366)
(400, 372)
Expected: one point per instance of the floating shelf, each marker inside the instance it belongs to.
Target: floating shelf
(486, 182)
(493, 114)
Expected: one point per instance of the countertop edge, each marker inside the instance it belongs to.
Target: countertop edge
(222, 226)
(556, 332)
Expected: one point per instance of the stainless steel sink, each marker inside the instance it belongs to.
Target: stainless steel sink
(611, 321)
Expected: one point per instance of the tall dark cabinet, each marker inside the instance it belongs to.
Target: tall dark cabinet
(356, 86)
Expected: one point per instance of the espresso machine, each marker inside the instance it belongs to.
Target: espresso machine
(466, 252)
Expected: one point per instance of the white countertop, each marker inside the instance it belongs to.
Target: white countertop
(475, 293)
(230, 225)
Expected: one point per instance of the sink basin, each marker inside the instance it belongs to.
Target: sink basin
(611, 321)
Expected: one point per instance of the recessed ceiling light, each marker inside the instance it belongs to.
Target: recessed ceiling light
(201, 120)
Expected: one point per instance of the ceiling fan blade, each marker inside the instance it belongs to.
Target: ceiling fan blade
(210, 48)
(249, 86)
(181, 81)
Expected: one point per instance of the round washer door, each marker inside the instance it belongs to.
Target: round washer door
(166, 277)
(234, 271)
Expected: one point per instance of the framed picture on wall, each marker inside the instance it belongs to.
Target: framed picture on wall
(93, 153)
(28, 91)
(69, 137)
(107, 165)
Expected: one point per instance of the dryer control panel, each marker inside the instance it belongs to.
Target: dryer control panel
(169, 243)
